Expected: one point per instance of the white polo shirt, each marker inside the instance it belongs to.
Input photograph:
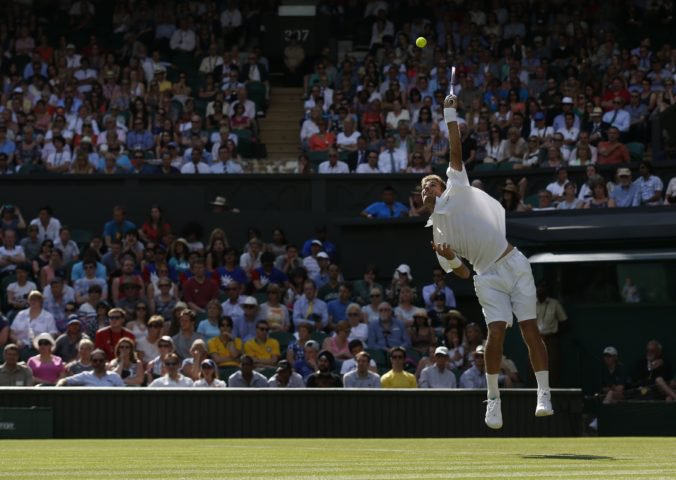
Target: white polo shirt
(166, 382)
(470, 221)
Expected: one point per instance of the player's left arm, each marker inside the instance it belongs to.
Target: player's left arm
(447, 253)
(451, 119)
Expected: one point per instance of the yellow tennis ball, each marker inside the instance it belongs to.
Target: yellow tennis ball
(421, 42)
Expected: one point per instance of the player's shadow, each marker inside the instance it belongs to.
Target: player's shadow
(568, 456)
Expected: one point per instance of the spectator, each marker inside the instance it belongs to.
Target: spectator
(67, 343)
(199, 290)
(82, 362)
(338, 344)
(438, 285)
(650, 186)
(245, 326)
(653, 374)
(285, 377)
(186, 335)
(670, 192)
(438, 375)
(614, 378)
(557, 187)
(296, 349)
(191, 366)
(309, 363)
(397, 377)
(173, 378)
(247, 377)
(387, 332)
(17, 291)
(475, 376)
(148, 346)
(626, 193)
(30, 323)
(551, 318)
(423, 337)
(309, 309)
(47, 368)
(390, 159)
(333, 165)
(261, 348)
(208, 377)
(118, 227)
(108, 337)
(387, 208)
(12, 372)
(599, 198)
(618, 117)
(99, 376)
(569, 200)
(126, 364)
(225, 349)
(11, 254)
(362, 376)
(612, 152)
(324, 377)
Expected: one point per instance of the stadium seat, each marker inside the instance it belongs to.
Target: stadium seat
(225, 372)
(379, 357)
(485, 167)
(318, 157)
(256, 93)
(319, 337)
(505, 166)
(636, 151)
(268, 372)
(531, 200)
(4, 306)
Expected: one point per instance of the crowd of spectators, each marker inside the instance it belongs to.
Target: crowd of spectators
(547, 85)
(270, 313)
(120, 88)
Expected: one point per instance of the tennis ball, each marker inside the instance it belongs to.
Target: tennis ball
(421, 42)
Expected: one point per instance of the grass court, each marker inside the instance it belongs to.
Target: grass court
(346, 459)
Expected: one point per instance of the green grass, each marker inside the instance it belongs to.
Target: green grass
(582, 458)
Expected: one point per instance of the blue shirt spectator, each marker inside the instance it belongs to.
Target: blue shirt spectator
(224, 276)
(142, 139)
(386, 335)
(383, 210)
(117, 230)
(304, 313)
(77, 272)
(626, 194)
(338, 309)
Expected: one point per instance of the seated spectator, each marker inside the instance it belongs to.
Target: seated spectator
(357, 322)
(650, 186)
(11, 254)
(296, 349)
(108, 337)
(285, 377)
(30, 323)
(626, 193)
(322, 140)
(438, 375)
(544, 201)
(388, 207)
(338, 344)
(147, 347)
(208, 376)
(653, 374)
(186, 335)
(82, 362)
(82, 285)
(126, 364)
(17, 291)
(173, 378)
(324, 377)
(475, 376)
(191, 366)
(245, 325)
(614, 377)
(47, 368)
(155, 368)
(209, 327)
(405, 310)
(569, 199)
(397, 377)
(308, 364)
(290, 261)
(438, 285)
(371, 311)
(356, 346)
(98, 376)
(247, 377)
(556, 187)
(14, 373)
(267, 275)
(309, 309)
(66, 345)
(511, 199)
(391, 160)
(274, 312)
(225, 349)
(618, 117)
(363, 375)
(513, 148)
(387, 332)
(423, 337)
(670, 192)
(438, 314)
(199, 289)
(333, 165)
(599, 198)
(612, 152)
(263, 349)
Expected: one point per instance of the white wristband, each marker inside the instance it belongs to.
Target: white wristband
(450, 115)
(455, 263)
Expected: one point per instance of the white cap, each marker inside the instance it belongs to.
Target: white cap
(323, 255)
(479, 350)
(441, 351)
(610, 351)
(403, 268)
(317, 242)
(250, 301)
(567, 100)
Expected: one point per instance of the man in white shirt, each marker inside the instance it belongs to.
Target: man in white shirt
(362, 377)
(211, 61)
(85, 76)
(557, 187)
(249, 106)
(347, 139)
(224, 163)
(438, 375)
(183, 39)
(173, 378)
(569, 132)
(371, 166)
(31, 322)
(391, 160)
(11, 254)
(48, 226)
(333, 165)
(195, 165)
(469, 223)
(98, 377)
(72, 59)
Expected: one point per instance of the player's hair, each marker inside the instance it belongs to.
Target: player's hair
(433, 177)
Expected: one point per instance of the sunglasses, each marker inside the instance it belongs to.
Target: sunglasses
(115, 317)
(352, 314)
(44, 342)
(375, 295)
(164, 345)
(262, 329)
(207, 367)
(155, 325)
(397, 357)
(98, 360)
(170, 364)
(124, 347)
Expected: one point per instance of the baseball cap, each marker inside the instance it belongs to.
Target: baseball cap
(72, 320)
(623, 172)
(597, 111)
(312, 344)
(441, 351)
(403, 268)
(610, 351)
(283, 365)
(70, 46)
(208, 363)
(538, 116)
(317, 242)
(567, 101)
(479, 350)
(250, 301)
(323, 255)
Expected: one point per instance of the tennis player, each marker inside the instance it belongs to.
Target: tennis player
(469, 223)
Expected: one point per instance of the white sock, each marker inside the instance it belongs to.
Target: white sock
(542, 378)
(492, 383)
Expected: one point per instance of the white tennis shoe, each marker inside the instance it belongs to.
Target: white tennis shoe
(494, 413)
(544, 405)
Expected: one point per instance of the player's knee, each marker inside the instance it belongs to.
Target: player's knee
(497, 330)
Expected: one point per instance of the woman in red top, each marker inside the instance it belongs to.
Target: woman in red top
(322, 140)
(155, 227)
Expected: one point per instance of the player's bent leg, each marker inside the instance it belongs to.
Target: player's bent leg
(537, 353)
(493, 359)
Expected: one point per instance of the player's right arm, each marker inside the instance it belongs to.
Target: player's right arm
(446, 254)
(451, 119)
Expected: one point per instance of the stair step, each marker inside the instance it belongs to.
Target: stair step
(268, 136)
(274, 148)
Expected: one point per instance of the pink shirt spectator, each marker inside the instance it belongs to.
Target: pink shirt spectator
(47, 371)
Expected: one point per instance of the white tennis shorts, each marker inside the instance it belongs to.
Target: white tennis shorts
(507, 289)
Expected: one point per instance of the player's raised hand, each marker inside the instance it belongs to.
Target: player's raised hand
(451, 101)
(444, 250)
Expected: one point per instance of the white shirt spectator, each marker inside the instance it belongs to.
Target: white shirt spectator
(202, 383)
(339, 167)
(90, 379)
(208, 64)
(57, 159)
(21, 293)
(343, 139)
(231, 18)
(166, 382)
(354, 380)
(308, 129)
(393, 120)
(295, 381)
(366, 168)
(191, 168)
(231, 166)
(351, 364)
(387, 160)
(594, 153)
(249, 109)
(11, 252)
(183, 40)
(85, 74)
(571, 134)
(556, 188)
(52, 230)
(25, 330)
(432, 377)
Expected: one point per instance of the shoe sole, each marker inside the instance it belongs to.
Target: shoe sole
(544, 413)
(494, 427)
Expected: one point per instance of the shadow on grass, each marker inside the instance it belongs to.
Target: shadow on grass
(568, 456)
